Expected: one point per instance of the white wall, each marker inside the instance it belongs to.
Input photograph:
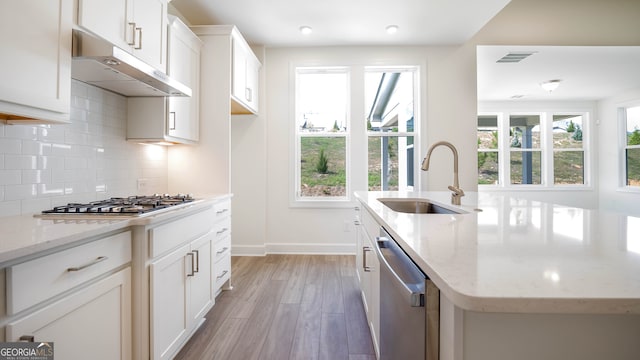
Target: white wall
(42, 166)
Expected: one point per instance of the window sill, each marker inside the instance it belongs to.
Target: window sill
(323, 204)
(629, 189)
(525, 188)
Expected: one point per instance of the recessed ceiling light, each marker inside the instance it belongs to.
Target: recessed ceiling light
(305, 30)
(392, 29)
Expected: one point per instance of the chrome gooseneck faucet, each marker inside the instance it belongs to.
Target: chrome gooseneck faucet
(457, 192)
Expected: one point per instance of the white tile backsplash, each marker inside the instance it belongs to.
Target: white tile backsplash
(42, 166)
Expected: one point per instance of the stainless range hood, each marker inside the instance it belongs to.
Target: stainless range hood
(100, 63)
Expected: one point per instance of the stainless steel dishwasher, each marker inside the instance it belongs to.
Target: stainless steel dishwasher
(409, 306)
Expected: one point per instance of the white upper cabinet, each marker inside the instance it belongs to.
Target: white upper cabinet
(184, 66)
(171, 119)
(36, 64)
(245, 77)
(138, 26)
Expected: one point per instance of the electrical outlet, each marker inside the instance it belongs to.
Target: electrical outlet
(142, 185)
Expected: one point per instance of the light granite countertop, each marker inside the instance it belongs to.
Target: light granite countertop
(26, 236)
(518, 255)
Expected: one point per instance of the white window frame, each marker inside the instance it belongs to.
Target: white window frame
(504, 111)
(622, 147)
(357, 134)
(415, 70)
(297, 199)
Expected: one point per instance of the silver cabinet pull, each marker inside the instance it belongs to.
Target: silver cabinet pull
(192, 264)
(172, 120)
(357, 222)
(221, 231)
(248, 94)
(222, 211)
(356, 208)
(91, 263)
(222, 275)
(223, 250)
(197, 260)
(133, 33)
(365, 250)
(139, 47)
(27, 338)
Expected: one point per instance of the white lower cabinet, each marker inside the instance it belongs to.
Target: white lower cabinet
(91, 323)
(368, 268)
(181, 294)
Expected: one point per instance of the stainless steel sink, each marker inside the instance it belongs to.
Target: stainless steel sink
(416, 206)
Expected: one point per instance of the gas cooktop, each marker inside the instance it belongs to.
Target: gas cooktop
(131, 205)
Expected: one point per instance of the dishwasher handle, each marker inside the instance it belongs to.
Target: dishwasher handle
(414, 292)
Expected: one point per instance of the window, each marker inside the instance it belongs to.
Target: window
(532, 149)
(525, 153)
(353, 136)
(322, 129)
(488, 150)
(568, 149)
(389, 99)
(632, 146)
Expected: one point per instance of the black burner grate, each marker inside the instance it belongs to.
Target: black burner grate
(130, 205)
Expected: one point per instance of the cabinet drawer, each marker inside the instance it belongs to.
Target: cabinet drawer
(369, 224)
(222, 209)
(222, 271)
(222, 229)
(34, 281)
(222, 249)
(167, 236)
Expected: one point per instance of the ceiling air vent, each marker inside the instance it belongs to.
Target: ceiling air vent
(514, 57)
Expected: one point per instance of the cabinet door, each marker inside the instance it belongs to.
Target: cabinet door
(200, 284)
(36, 42)
(368, 271)
(245, 77)
(239, 70)
(169, 318)
(184, 66)
(365, 253)
(150, 43)
(253, 75)
(95, 320)
(111, 20)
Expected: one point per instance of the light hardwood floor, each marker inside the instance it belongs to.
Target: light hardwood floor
(286, 307)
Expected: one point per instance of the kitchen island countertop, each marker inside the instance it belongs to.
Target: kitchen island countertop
(26, 236)
(506, 254)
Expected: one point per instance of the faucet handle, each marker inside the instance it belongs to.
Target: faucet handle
(456, 194)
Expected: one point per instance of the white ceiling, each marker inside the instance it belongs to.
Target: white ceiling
(587, 72)
(345, 22)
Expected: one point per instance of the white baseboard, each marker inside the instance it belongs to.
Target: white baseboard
(248, 250)
(297, 248)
